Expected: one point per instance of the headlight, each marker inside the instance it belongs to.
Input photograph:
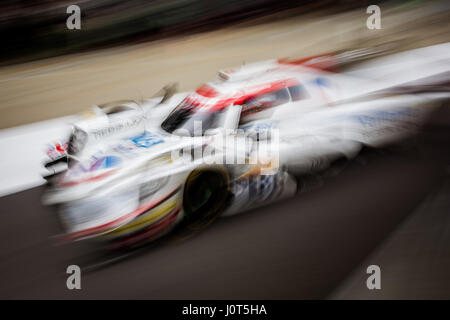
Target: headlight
(77, 141)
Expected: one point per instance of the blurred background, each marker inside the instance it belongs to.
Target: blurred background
(131, 49)
(388, 209)
(37, 29)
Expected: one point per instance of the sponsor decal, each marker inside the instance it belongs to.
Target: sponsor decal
(57, 150)
(261, 187)
(255, 187)
(105, 163)
(95, 164)
(377, 117)
(147, 140)
(116, 127)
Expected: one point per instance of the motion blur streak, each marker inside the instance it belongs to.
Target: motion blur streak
(300, 248)
(68, 84)
(351, 195)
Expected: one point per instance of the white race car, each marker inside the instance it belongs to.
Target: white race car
(136, 170)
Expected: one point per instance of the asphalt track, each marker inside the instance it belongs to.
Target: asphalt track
(308, 246)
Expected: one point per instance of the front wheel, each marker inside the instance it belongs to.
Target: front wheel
(205, 195)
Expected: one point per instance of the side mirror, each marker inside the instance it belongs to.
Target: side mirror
(168, 91)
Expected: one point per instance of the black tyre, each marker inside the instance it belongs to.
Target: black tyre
(205, 195)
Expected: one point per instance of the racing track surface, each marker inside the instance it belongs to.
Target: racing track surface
(305, 247)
